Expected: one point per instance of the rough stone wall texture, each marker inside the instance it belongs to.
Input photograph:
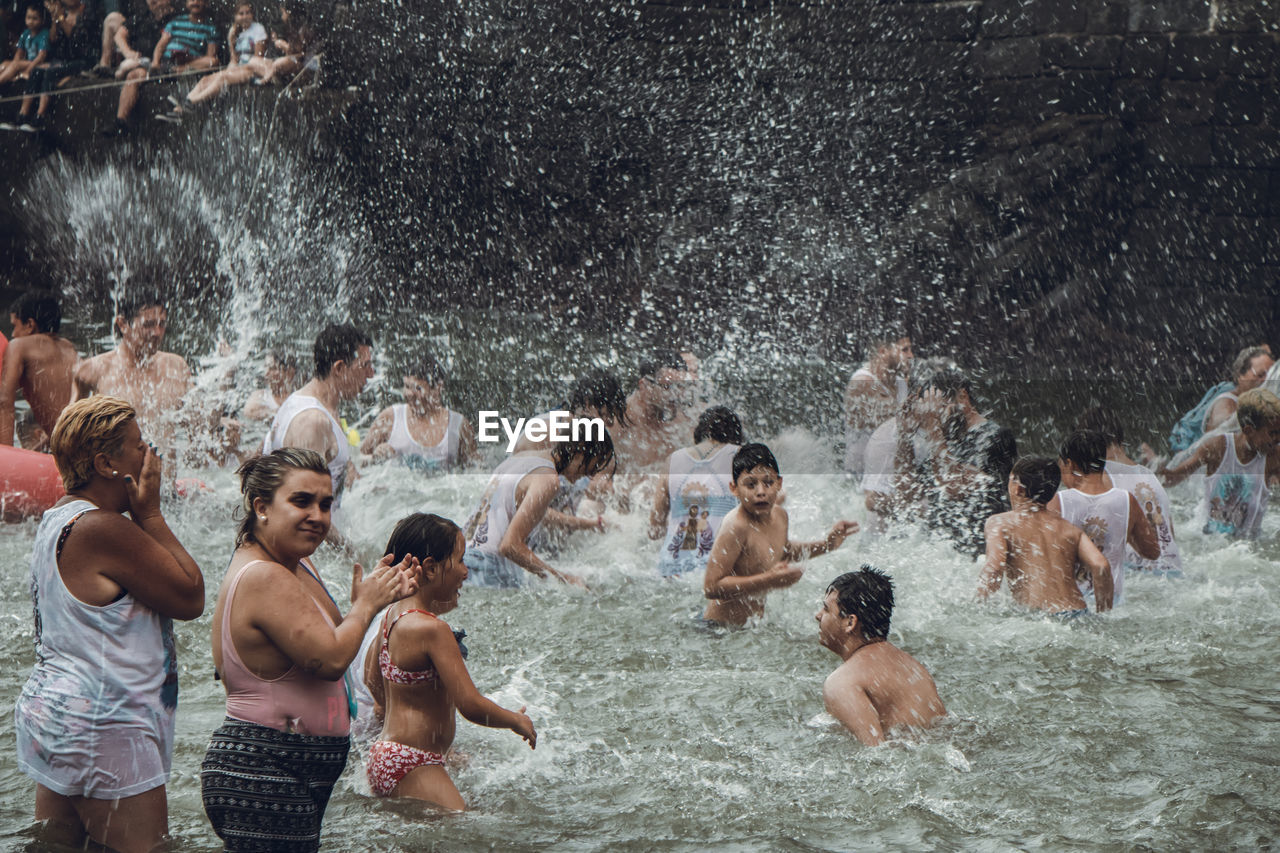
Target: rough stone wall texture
(1012, 173)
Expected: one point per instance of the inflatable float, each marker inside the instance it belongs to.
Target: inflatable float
(29, 483)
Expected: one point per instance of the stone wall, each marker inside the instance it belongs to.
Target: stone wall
(1019, 174)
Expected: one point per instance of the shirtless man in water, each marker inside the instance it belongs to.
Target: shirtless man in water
(1038, 550)
(39, 361)
(878, 687)
(753, 552)
(152, 381)
(656, 420)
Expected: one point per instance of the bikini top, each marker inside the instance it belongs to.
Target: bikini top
(395, 674)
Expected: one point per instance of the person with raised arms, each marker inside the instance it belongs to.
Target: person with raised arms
(282, 649)
(95, 720)
(878, 687)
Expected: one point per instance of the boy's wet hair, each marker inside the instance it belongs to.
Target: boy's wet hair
(1103, 419)
(718, 423)
(601, 391)
(132, 302)
(868, 595)
(1257, 408)
(423, 535)
(338, 342)
(1039, 475)
(424, 366)
(660, 358)
(751, 456)
(597, 453)
(939, 374)
(39, 305)
(41, 10)
(1086, 449)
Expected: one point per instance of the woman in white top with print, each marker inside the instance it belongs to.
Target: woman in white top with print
(693, 495)
(95, 720)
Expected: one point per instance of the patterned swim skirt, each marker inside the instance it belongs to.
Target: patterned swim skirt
(266, 790)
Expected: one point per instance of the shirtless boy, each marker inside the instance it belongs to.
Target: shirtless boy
(1037, 550)
(39, 361)
(878, 687)
(137, 371)
(752, 553)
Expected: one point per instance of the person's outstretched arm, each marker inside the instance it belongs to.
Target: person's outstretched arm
(839, 532)
(442, 647)
(1088, 555)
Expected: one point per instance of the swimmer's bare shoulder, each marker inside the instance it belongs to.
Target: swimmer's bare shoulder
(312, 429)
(89, 373)
(882, 687)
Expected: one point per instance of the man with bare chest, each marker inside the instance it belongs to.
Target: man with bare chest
(40, 362)
(152, 381)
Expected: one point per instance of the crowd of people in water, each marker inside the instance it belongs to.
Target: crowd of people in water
(64, 45)
(304, 681)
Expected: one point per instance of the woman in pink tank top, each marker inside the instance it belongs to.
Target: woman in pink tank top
(418, 675)
(281, 648)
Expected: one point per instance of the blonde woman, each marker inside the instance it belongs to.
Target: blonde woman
(95, 719)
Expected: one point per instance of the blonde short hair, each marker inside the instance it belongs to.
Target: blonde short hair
(84, 429)
(1257, 408)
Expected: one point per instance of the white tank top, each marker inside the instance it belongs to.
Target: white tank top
(1138, 481)
(115, 663)
(289, 409)
(489, 523)
(700, 499)
(441, 457)
(1204, 422)
(1105, 520)
(1236, 495)
(856, 438)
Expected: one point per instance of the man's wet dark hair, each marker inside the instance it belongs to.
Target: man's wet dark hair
(868, 595)
(423, 535)
(1086, 449)
(885, 336)
(597, 453)
(751, 456)
(718, 423)
(660, 358)
(131, 303)
(1039, 475)
(39, 305)
(1103, 419)
(937, 374)
(599, 390)
(425, 366)
(338, 342)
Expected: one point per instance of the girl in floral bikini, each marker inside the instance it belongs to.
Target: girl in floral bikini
(418, 675)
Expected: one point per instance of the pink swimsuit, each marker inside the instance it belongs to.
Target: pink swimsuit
(295, 702)
(388, 761)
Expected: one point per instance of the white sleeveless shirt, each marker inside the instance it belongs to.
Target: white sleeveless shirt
(1204, 422)
(1140, 482)
(856, 438)
(440, 457)
(700, 499)
(295, 404)
(1236, 495)
(96, 716)
(1105, 520)
(490, 520)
